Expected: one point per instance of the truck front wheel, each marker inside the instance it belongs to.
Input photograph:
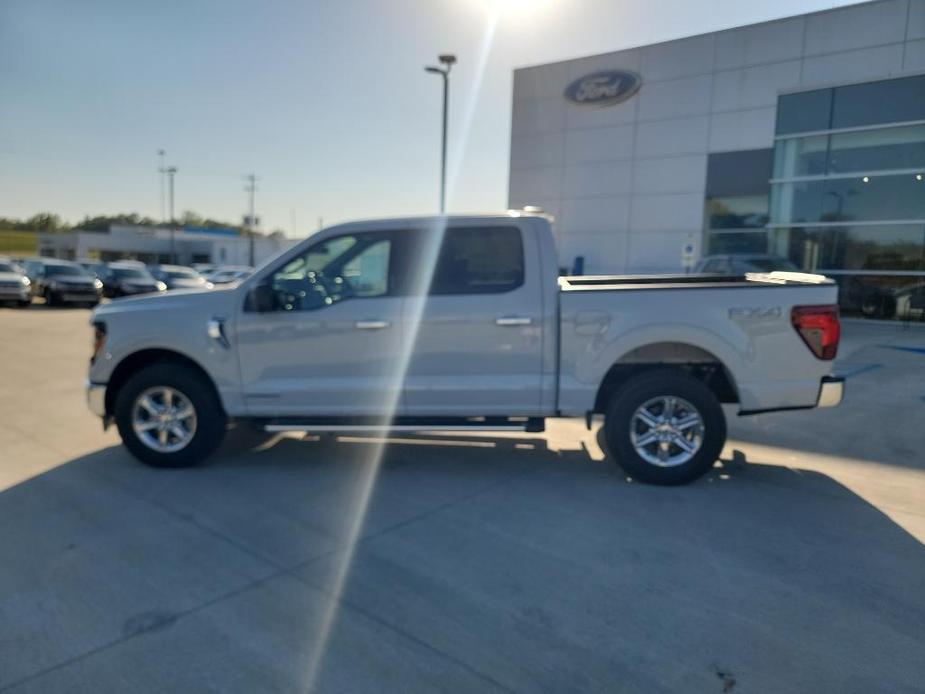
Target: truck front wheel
(169, 416)
(665, 427)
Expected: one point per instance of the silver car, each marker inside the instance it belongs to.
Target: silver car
(15, 287)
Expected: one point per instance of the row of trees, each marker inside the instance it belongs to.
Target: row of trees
(46, 221)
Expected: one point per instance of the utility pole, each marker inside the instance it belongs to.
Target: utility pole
(251, 190)
(171, 172)
(448, 60)
(162, 171)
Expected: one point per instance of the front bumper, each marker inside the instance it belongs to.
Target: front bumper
(96, 399)
(831, 391)
(78, 296)
(20, 293)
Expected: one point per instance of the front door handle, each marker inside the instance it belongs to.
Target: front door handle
(372, 324)
(513, 320)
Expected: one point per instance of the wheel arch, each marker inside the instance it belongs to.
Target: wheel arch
(136, 361)
(695, 361)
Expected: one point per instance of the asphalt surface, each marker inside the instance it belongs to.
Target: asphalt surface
(483, 563)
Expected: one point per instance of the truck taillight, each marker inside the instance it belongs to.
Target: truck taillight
(819, 328)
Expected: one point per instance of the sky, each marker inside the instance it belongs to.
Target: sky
(326, 101)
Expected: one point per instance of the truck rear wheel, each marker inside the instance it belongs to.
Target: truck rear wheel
(665, 427)
(169, 416)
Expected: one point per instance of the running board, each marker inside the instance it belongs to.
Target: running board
(526, 424)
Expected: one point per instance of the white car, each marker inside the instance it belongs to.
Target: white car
(15, 287)
(462, 323)
(226, 274)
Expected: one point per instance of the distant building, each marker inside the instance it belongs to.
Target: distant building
(803, 137)
(157, 245)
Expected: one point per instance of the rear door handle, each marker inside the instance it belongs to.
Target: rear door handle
(513, 320)
(372, 324)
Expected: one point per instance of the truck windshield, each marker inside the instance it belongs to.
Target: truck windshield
(64, 270)
(122, 273)
(182, 274)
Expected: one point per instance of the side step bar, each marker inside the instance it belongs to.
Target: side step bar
(404, 424)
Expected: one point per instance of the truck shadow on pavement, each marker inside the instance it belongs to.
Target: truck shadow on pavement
(483, 564)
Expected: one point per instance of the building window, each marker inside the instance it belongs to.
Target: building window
(898, 248)
(848, 192)
(736, 210)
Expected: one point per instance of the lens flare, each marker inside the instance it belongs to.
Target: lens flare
(357, 507)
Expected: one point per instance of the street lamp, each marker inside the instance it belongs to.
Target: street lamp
(162, 170)
(171, 172)
(448, 60)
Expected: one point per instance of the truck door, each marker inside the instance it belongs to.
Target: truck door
(474, 323)
(329, 341)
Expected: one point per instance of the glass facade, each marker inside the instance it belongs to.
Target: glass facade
(848, 192)
(736, 213)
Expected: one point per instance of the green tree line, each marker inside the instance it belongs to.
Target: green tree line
(49, 222)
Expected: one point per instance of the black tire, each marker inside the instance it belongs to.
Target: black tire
(25, 303)
(649, 386)
(50, 299)
(211, 420)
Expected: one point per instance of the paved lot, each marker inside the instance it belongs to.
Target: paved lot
(522, 563)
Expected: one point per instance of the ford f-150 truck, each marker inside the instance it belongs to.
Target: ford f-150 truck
(450, 323)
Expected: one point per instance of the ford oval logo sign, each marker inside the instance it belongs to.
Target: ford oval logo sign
(603, 88)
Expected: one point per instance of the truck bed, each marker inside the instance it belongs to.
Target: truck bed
(744, 324)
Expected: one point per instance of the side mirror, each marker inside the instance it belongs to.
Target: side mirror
(261, 298)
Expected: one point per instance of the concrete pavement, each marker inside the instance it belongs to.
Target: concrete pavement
(516, 563)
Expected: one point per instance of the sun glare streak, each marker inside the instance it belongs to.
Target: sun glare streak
(465, 127)
(358, 506)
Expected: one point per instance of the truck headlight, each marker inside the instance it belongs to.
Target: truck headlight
(97, 284)
(25, 280)
(161, 286)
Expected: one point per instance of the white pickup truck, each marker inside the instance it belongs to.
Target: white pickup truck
(450, 323)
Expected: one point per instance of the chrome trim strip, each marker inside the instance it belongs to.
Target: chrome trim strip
(386, 427)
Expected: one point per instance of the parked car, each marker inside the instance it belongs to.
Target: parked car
(204, 269)
(128, 279)
(94, 267)
(227, 274)
(63, 282)
(179, 277)
(348, 332)
(15, 287)
(739, 264)
(909, 302)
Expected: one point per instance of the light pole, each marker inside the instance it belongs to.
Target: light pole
(161, 170)
(171, 171)
(251, 190)
(448, 60)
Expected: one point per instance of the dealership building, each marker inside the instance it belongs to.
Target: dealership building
(802, 137)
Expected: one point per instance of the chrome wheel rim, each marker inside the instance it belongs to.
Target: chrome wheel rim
(666, 431)
(164, 419)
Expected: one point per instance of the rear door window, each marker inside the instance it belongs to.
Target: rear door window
(479, 260)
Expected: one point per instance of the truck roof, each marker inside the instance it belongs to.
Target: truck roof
(427, 220)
